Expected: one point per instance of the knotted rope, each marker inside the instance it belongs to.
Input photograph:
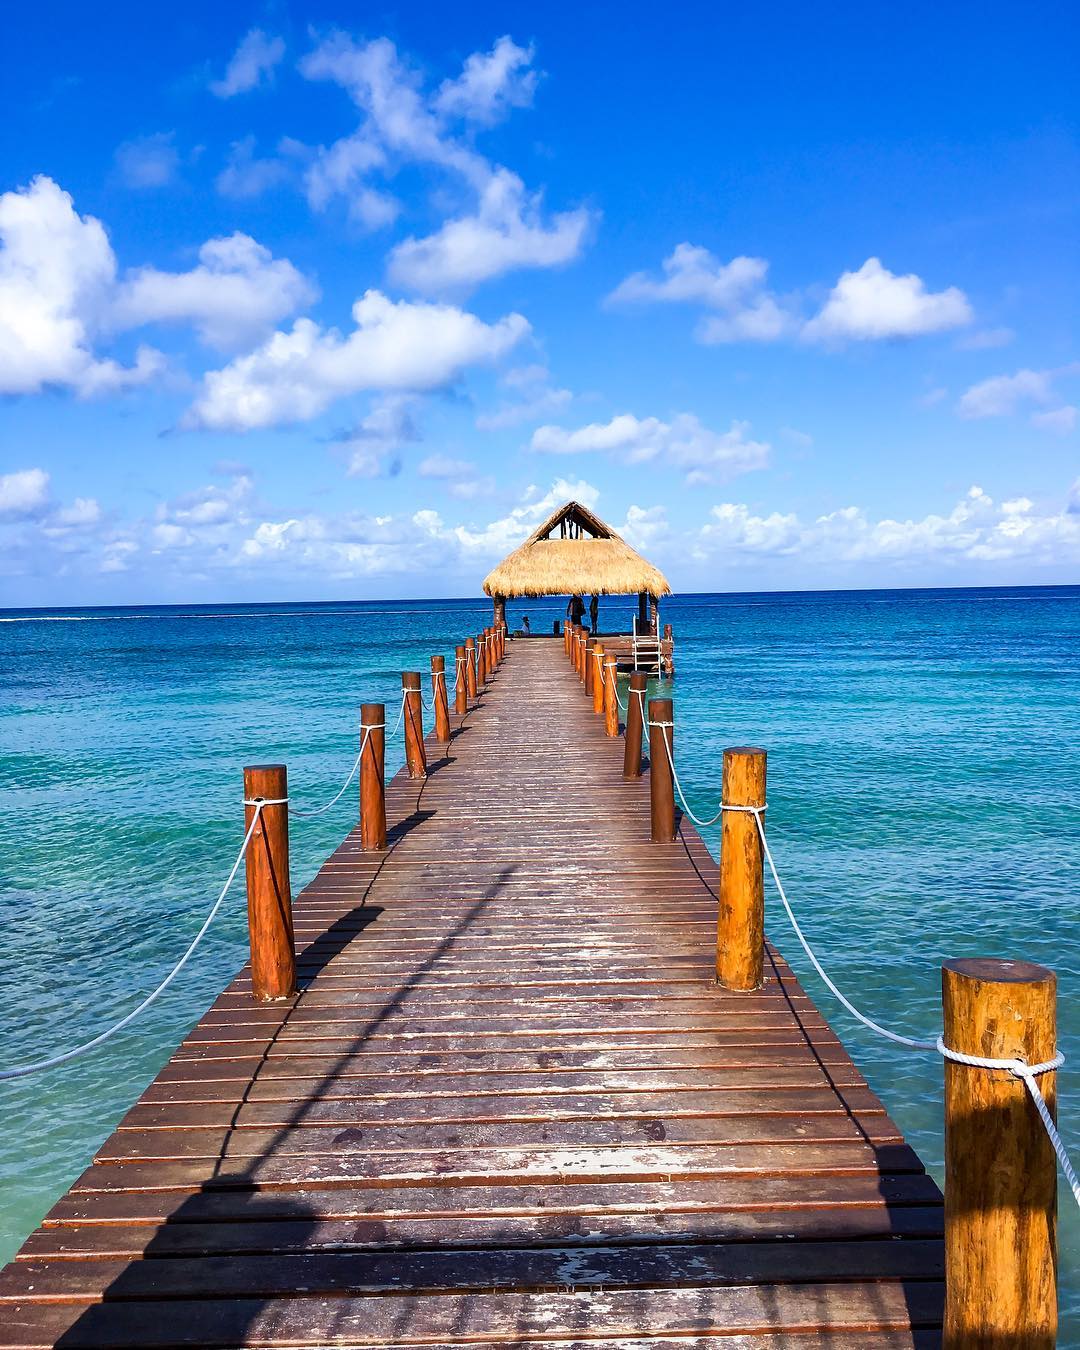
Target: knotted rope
(21, 1070)
(1027, 1073)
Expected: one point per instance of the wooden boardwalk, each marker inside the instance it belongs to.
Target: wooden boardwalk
(510, 1105)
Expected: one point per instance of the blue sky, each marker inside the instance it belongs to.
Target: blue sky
(303, 302)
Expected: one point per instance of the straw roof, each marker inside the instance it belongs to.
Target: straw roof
(586, 557)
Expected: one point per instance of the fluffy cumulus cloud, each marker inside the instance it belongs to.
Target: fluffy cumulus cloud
(235, 295)
(252, 64)
(977, 530)
(490, 84)
(874, 303)
(501, 225)
(459, 478)
(57, 276)
(684, 443)
(1006, 395)
(506, 232)
(870, 304)
(23, 493)
(402, 347)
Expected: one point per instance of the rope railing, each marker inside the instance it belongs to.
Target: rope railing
(37, 1066)
(1026, 1073)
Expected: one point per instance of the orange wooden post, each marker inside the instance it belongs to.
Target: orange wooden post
(580, 656)
(439, 699)
(470, 667)
(1000, 1170)
(740, 933)
(597, 659)
(373, 777)
(461, 682)
(661, 779)
(635, 721)
(590, 668)
(483, 646)
(566, 639)
(415, 754)
(611, 694)
(269, 899)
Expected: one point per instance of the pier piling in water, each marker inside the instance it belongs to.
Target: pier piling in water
(373, 777)
(461, 681)
(635, 724)
(661, 779)
(1000, 1169)
(740, 931)
(413, 717)
(269, 896)
(439, 700)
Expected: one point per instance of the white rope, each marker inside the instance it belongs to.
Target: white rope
(401, 711)
(1027, 1073)
(307, 815)
(23, 1069)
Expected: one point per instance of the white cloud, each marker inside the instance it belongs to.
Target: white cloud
(246, 175)
(976, 530)
(148, 162)
(507, 232)
(1003, 395)
(985, 339)
(490, 84)
(460, 477)
(233, 297)
(683, 443)
(57, 271)
(693, 275)
(502, 229)
(870, 304)
(874, 303)
(536, 398)
(253, 63)
(23, 493)
(399, 346)
(1058, 420)
(373, 445)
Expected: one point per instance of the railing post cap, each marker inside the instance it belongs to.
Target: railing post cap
(744, 750)
(440, 660)
(639, 680)
(410, 679)
(992, 970)
(264, 768)
(376, 711)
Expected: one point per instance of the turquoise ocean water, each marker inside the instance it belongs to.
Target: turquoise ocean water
(924, 793)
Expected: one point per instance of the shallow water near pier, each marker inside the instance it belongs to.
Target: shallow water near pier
(924, 802)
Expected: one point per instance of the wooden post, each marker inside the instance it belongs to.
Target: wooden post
(566, 639)
(373, 777)
(740, 932)
(461, 682)
(635, 702)
(492, 659)
(590, 667)
(1000, 1170)
(415, 754)
(582, 653)
(439, 699)
(481, 649)
(661, 781)
(269, 899)
(596, 656)
(611, 694)
(470, 667)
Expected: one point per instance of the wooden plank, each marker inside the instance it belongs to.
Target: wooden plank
(509, 1105)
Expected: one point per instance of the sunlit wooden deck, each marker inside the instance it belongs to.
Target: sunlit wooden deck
(510, 1105)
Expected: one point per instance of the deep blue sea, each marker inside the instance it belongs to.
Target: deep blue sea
(924, 802)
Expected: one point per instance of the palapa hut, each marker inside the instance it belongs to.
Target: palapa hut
(575, 553)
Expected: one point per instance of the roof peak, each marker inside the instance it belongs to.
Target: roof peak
(570, 515)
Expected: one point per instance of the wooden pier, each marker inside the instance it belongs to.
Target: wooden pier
(510, 1105)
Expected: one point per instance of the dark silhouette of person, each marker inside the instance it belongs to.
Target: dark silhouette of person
(525, 625)
(594, 613)
(576, 609)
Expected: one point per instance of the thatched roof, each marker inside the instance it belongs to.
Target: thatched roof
(585, 557)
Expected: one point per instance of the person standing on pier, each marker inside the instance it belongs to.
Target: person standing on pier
(575, 610)
(594, 613)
